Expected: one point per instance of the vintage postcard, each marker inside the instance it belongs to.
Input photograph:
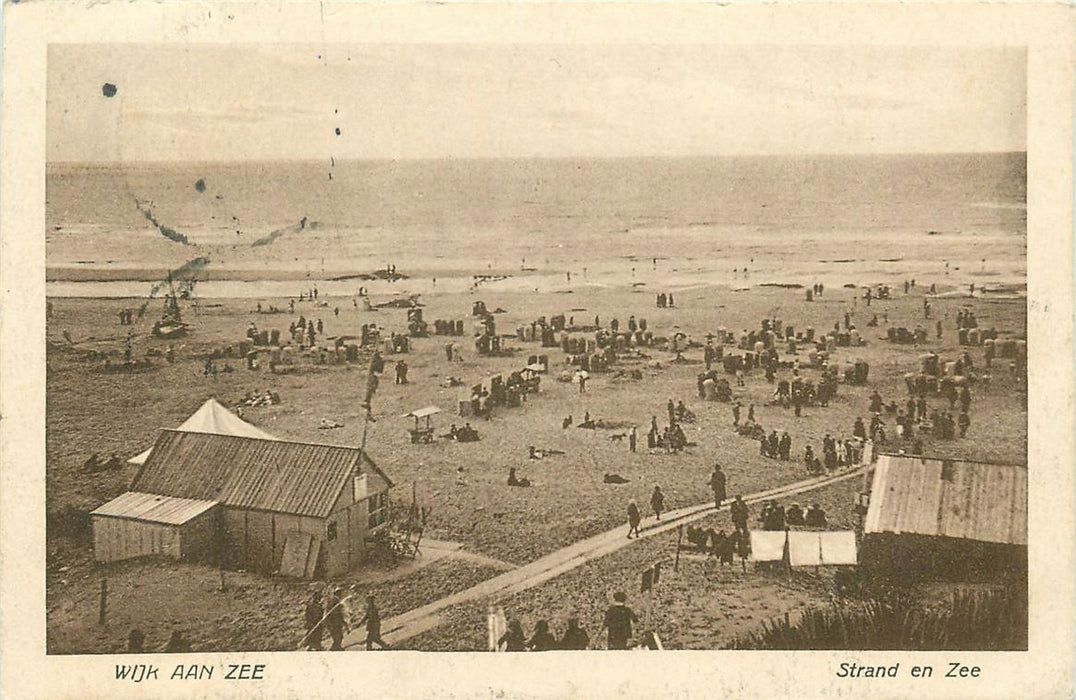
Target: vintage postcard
(739, 335)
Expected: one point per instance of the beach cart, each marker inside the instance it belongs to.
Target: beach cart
(422, 433)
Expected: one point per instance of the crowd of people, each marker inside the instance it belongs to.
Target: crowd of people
(329, 611)
(177, 643)
(618, 624)
(461, 434)
(716, 543)
(775, 517)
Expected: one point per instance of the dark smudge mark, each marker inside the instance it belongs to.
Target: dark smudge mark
(108, 90)
(200, 185)
(337, 131)
(184, 273)
(169, 233)
(266, 240)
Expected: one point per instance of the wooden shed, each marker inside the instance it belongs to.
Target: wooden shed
(317, 503)
(950, 519)
(141, 524)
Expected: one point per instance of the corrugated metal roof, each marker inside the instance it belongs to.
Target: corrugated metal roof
(153, 508)
(949, 498)
(242, 472)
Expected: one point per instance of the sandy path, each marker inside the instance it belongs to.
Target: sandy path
(419, 620)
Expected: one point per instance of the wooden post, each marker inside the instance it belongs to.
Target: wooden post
(102, 613)
(649, 607)
(679, 538)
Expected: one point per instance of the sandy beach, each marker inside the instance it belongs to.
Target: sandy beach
(735, 240)
(90, 411)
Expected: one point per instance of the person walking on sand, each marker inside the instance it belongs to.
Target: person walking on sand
(633, 437)
(335, 621)
(717, 485)
(618, 619)
(963, 422)
(657, 502)
(314, 628)
(736, 414)
(372, 618)
(634, 518)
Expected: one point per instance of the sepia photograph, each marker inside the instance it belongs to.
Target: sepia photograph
(512, 347)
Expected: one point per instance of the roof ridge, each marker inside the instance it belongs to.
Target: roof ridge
(258, 439)
(950, 459)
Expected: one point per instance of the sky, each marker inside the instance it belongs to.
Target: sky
(189, 102)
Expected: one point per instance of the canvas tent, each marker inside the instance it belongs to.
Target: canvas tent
(215, 419)
(806, 547)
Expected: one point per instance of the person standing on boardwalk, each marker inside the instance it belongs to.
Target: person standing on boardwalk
(634, 518)
(657, 502)
(717, 485)
(618, 619)
(739, 514)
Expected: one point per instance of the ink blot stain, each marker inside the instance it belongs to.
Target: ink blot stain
(337, 131)
(108, 90)
(200, 185)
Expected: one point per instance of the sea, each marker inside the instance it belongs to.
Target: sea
(276, 228)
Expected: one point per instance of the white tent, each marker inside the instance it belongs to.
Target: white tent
(215, 419)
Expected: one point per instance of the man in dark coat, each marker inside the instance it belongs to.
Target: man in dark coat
(618, 619)
(657, 502)
(575, 637)
(314, 627)
(739, 514)
(717, 485)
(963, 422)
(334, 619)
(372, 619)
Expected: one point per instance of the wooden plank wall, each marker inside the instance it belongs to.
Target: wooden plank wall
(115, 539)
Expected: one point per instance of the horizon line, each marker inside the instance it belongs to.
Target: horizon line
(391, 159)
